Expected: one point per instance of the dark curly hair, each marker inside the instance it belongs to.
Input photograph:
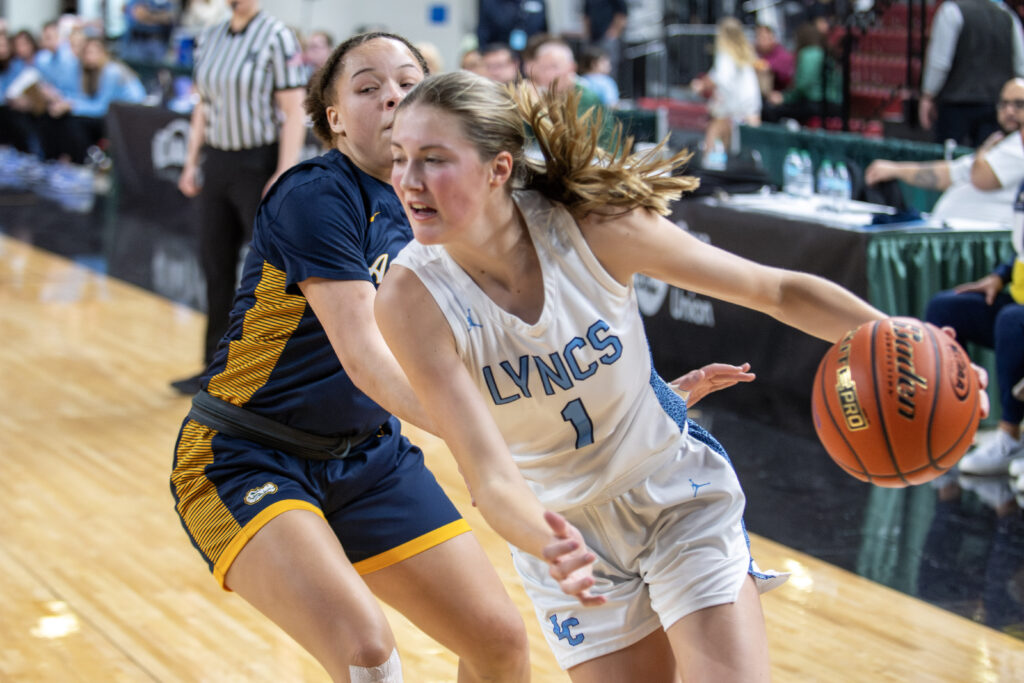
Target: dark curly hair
(321, 85)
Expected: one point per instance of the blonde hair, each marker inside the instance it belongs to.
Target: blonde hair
(731, 39)
(575, 170)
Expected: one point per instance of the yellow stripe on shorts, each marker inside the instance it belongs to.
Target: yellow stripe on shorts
(413, 547)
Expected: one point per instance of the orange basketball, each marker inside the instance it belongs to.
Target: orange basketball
(895, 402)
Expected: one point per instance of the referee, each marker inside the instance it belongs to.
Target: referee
(247, 129)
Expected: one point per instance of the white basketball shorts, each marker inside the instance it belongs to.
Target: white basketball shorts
(670, 546)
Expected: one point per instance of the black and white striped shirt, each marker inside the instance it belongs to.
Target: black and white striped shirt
(237, 74)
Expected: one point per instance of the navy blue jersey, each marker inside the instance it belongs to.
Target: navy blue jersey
(323, 218)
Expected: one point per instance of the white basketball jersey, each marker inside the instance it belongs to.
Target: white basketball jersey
(574, 395)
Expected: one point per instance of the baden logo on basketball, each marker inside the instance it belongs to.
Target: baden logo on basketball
(907, 379)
(256, 495)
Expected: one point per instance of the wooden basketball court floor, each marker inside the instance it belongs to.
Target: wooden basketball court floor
(99, 582)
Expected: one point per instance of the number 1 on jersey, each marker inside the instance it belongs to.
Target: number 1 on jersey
(576, 414)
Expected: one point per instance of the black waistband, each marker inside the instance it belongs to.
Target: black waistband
(238, 422)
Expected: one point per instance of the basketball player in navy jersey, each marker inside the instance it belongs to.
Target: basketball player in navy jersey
(514, 317)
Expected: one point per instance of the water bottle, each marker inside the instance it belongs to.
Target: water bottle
(843, 184)
(826, 183)
(807, 174)
(792, 169)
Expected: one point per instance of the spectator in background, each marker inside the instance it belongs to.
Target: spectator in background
(26, 93)
(595, 73)
(500, 63)
(316, 50)
(807, 96)
(200, 14)
(512, 22)
(433, 56)
(990, 311)
(603, 24)
(774, 60)
(79, 117)
(57, 62)
(10, 132)
(549, 64)
(975, 46)
(472, 61)
(1002, 156)
(148, 32)
(732, 86)
(24, 46)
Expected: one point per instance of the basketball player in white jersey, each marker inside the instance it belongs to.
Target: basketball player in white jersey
(514, 316)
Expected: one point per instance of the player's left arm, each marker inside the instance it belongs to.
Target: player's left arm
(644, 242)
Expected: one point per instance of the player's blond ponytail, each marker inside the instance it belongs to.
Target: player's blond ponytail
(573, 168)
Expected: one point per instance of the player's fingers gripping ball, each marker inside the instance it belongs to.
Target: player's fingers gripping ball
(896, 402)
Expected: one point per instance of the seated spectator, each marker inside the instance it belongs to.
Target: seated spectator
(80, 118)
(23, 51)
(549, 63)
(773, 60)
(148, 33)
(985, 194)
(595, 73)
(472, 61)
(200, 14)
(25, 94)
(316, 49)
(807, 96)
(731, 85)
(8, 128)
(988, 313)
(500, 63)
(432, 55)
(57, 62)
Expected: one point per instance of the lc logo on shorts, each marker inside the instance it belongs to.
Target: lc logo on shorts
(254, 496)
(562, 631)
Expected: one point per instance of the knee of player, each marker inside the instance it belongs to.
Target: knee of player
(372, 651)
(504, 650)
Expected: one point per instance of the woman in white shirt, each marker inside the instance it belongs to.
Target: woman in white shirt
(735, 95)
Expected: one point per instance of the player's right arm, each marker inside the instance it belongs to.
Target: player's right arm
(421, 340)
(345, 310)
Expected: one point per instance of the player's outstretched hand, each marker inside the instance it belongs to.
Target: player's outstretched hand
(982, 374)
(571, 564)
(696, 384)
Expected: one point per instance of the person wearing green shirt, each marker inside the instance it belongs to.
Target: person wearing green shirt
(803, 99)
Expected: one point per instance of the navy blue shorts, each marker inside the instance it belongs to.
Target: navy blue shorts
(382, 502)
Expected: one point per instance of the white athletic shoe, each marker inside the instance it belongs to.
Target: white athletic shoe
(1016, 467)
(992, 491)
(1017, 484)
(992, 457)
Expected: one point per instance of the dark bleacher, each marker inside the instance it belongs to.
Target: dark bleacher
(886, 64)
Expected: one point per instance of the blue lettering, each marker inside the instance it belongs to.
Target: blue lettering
(558, 373)
(574, 367)
(493, 388)
(601, 344)
(522, 379)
